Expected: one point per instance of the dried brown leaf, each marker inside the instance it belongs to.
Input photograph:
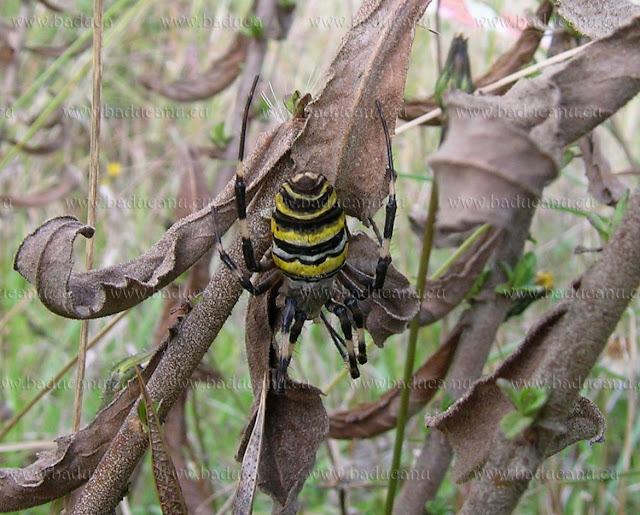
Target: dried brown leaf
(197, 491)
(343, 139)
(164, 471)
(243, 502)
(444, 294)
(472, 423)
(72, 462)
(487, 169)
(69, 181)
(501, 151)
(585, 421)
(388, 311)
(373, 418)
(593, 19)
(296, 422)
(603, 185)
(222, 72)
(45, 258)
(614, 61)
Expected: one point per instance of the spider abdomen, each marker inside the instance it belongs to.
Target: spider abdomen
(308, 228)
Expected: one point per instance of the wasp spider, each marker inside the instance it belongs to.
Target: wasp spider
(308, 251)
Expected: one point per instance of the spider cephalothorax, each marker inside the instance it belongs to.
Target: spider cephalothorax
(308, 252)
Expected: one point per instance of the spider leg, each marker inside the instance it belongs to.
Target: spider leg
(337, 339)
(244, 280)
(341, 312)
(240, 192)
(358, 319)
(375, 229)
(289, 332)
(384, 259)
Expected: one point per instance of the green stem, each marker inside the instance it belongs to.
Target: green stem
(427, 242)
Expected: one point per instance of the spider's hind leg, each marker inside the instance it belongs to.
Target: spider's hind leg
(340, 310)
(292, 322)
(358, 319)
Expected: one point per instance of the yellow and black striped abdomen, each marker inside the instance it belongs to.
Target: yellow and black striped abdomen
(308, 227)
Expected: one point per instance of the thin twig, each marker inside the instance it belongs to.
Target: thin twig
(431, 115)
(438, 39)
(94, 170)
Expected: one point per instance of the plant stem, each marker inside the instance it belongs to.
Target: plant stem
(427, 242)
(94, 170)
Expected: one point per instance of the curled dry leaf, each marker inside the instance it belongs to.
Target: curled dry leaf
(472, 423)
(69, 181)
(603, 185)
(296, 422)
(388, 311)
(501, 151)
(71, 463)
(295, 426)
(373, 418)
(45, 258)
(586, 102)
(486, 170)
(518, 56)
(585, 421)
(343, 139)
(222, 72)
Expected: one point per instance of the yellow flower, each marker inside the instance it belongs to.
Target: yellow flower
(114, 169)
(544, 278)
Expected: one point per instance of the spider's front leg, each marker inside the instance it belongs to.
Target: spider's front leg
(244, 280)
(384, 259)
(248, 252)
(241, 191)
